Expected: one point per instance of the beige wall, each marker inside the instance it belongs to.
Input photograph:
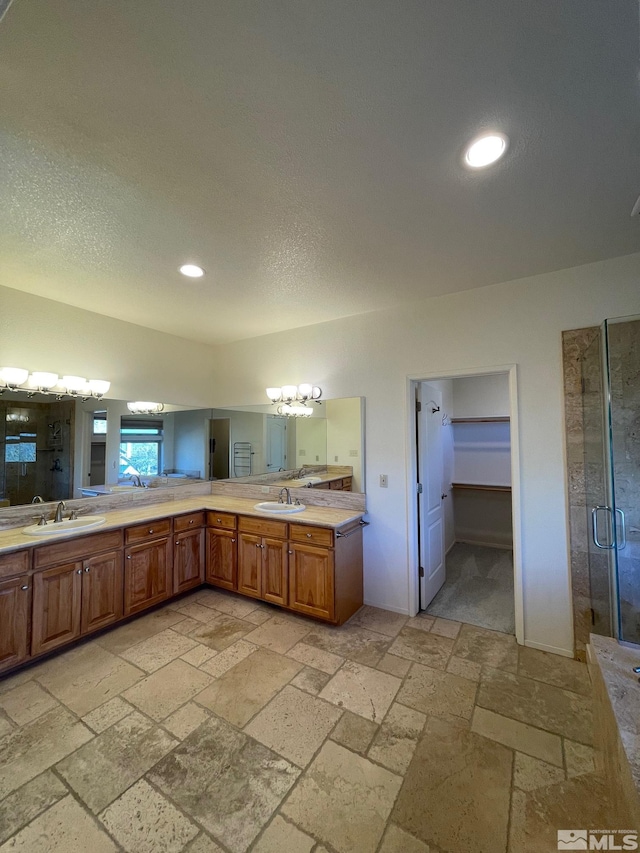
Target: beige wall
(142, 364)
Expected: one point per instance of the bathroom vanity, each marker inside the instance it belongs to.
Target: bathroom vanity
(55, 591)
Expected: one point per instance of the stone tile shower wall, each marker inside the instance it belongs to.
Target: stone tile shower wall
(584, 422)
(624, 351)
(580, 414)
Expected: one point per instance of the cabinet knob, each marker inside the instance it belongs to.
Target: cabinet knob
(233, 540)
(258, 545)
(191, 522)
(86, 568)
(289, 552)
(218, 520)
(79, 572)
(24, 587)
(308, 535)
(151, 530)
(128, 556)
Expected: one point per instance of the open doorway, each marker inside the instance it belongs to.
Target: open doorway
(464, 447)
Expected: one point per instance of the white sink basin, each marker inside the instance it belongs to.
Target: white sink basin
(279, 509)
(64, 527)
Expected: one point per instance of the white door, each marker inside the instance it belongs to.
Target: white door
(276, 444)
(430, 473)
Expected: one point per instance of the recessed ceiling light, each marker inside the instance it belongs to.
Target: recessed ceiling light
(486, 150)
(192, 270)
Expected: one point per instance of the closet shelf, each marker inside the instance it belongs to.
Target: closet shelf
(481, 487)
(499, 420)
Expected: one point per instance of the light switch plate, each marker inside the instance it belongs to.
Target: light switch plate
(384, 481)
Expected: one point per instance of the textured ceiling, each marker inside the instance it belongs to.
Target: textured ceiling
(307, 152)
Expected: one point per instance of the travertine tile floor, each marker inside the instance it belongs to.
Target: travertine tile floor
(219, 723)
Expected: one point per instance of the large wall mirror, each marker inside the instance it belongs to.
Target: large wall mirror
(61, 449)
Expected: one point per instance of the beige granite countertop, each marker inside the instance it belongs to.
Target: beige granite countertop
(14, 539)
(616, 662)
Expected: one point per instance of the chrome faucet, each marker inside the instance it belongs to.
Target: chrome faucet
(288, 494)
(58, 515)
(37, 499)
(135, 479)
(300, 473)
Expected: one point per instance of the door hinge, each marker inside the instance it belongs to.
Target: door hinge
(421, 571)
(419, 488)
(418, 406)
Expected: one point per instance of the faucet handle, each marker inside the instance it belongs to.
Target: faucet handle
(41, 519)
(73, 515)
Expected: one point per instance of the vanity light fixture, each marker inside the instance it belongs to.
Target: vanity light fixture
(294, 399)
(485, 150)
(293, 393)
(45, 382)
(142, 407)
(297, 410)
(191, 270)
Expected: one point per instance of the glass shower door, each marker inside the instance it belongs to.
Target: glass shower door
(622, 339)
(601, 555)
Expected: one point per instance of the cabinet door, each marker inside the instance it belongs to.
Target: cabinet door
(275, 575)
(188, 560)
(250, 565)
(101, 591)
(311, 575)
(147, 575)
(56, 607)
(15, 607)
(222, 558)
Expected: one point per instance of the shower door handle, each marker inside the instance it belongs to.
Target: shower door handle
(623, 531)
(594, 527)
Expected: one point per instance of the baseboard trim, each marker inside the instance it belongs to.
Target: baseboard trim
(554, 650)
(400, 610)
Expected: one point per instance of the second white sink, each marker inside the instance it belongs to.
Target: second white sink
(62, 527)
(279, 509)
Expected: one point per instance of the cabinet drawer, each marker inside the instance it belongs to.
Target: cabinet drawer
(336, 484)
(150, 530)
(311, 535)
(262, 527)
(14, 564)
(188, 522)
(325, 485)
(76, 549)
(347, 483)
(221, 519)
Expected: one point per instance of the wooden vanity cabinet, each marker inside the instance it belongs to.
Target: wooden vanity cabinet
(15, 618)
(102, 594)
(148, 565)
(325, 571)
(263, 565)
(74, 594)
(188, 555)
(222, 550)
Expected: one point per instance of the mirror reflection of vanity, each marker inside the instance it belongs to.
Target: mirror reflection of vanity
(55, 449)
